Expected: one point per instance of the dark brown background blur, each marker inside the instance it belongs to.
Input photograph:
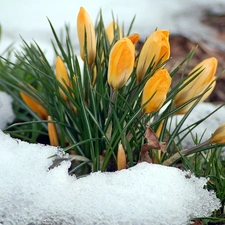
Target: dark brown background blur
(180, 46)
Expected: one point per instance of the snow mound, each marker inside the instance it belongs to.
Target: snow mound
(6, 111)
(144, 194)
(205, 129)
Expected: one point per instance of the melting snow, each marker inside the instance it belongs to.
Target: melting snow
(205, 129)
(6, 111)
(145, 194)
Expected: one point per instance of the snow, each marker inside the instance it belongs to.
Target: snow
(144, 194)
(205, 129)
(6, 112)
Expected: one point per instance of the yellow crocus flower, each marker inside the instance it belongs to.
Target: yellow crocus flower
(195, 87)
(121, 63)
(218, 137)
(121, 158)
(113, 30)
(156, 89)
(53, 138)
(61, 75)
(134, 37)
(85, 29)
(34, 105)
(94, 75)
(156, 48)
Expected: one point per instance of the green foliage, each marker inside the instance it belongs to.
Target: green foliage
(94, 119)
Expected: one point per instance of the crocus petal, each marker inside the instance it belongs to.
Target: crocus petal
(155, 48)
(218, 137)
(134, 38)
(61, 75)
(85, 28)
(121, 63)
(121, 158)
(206, 70)
(34, 106)
(53, 138)
(94, 75)
(156, 89)
(113, 31)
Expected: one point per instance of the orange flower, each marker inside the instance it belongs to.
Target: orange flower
(113, 31)
(121, 158)
(121, 63)
(94, 75)
(156, 89)
(195, 87)
(134, 37)
(86, 30)
(61, 75)
(155, 48)
(52, 133)
(34, 105)
(218, 137)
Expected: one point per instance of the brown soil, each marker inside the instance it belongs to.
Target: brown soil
(181, 46)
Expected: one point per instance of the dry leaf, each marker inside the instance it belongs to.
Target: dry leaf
(144, 154)
(163, 147)
(152, 139)
(152, 143)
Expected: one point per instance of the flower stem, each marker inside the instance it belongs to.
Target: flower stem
(184, 152)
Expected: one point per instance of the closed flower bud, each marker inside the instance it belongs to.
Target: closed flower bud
(94, 75)
(113, 31)
(53, 138)
(86, 30)
(218, 137)
(121, 63)
(156, 49)
(121, 158)
(34, 105)
(134, 37)
(156, 89)
(61, 75)
(198, 84)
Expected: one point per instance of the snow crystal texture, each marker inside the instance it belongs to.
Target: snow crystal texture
(6, 112)
(145, 194)
(205, 129)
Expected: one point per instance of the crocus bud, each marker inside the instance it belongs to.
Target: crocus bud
(34, 106)
(156, 89)
(113, 31)
(121, 158)
(121, 63)
(61, 75)
(94, 75)
(134, 37)
(86, 30)
(198, 84)
(155, 48)
(53, 138)
(218, 137)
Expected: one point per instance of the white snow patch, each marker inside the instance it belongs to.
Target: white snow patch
(6, 112)
(206, 128)
(144, 194)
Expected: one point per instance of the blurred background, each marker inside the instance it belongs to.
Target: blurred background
(191, 23)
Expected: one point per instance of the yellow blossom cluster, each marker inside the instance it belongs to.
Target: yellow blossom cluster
(123, 63)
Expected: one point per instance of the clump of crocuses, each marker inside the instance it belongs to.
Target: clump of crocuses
(113, 113)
